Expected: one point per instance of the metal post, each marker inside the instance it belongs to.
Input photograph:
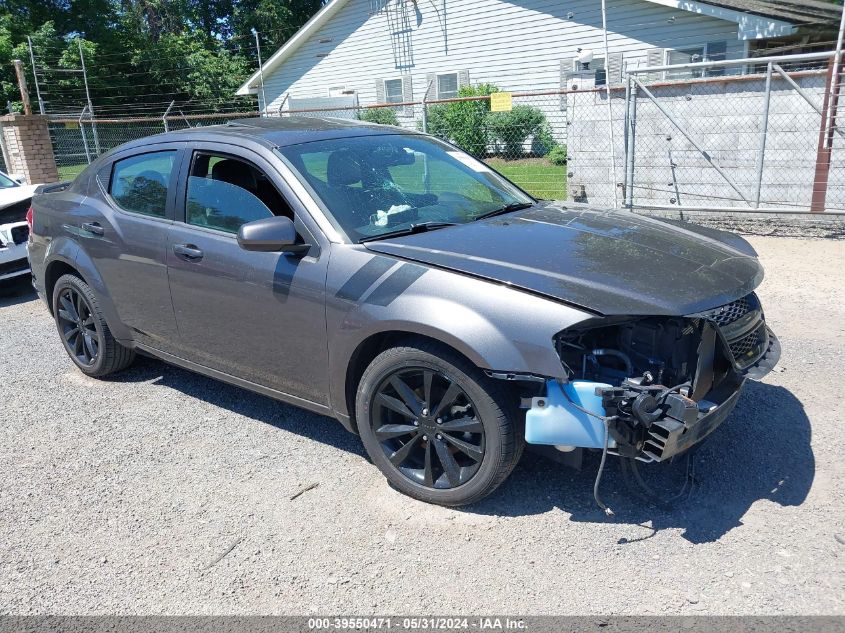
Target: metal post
(632, 136)
(260, 73)
(609, 104)
(164, 117)
(27, 108)
(767, 97)
(88, 98)
(425, 107)
(625, 138)
(84, 139)
(35, 75)
(831, 112)
(426, 175)
(7, 159)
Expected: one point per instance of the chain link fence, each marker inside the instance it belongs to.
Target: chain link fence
(749, 139)
(744, 135)
(78, 141)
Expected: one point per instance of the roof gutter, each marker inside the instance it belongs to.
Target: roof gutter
(751, 26)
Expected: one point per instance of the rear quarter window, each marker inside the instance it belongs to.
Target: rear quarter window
(140, 183)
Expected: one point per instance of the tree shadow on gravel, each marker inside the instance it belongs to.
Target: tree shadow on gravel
(761, 452)
(243, 402)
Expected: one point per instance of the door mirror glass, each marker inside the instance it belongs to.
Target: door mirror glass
(274, 234)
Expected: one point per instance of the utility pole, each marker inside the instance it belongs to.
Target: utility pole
(27, 108)
(35, 75)
(88, 98)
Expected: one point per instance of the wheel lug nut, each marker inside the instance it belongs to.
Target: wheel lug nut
(425, 411)
(439, 420)
(425, 438)
(416, 423)
(439, 437)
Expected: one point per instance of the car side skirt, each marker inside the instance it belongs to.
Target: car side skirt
(237, 382)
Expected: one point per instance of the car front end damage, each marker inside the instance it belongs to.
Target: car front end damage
(649, 388)
(14, 233)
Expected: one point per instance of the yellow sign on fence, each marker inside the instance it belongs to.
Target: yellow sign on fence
(501, 102)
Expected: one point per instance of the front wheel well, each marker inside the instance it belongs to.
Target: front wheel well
(374, 345)
(54, 271)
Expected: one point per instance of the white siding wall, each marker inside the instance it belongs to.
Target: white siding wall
(516, 44)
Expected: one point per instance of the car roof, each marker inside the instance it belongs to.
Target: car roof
(277, 131)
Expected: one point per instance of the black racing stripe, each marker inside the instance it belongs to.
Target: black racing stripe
(364, 277)
(398, 282)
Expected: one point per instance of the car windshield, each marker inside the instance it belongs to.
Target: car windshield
(6, 182)
(378, 185)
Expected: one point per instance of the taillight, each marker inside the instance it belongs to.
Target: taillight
(29, 217)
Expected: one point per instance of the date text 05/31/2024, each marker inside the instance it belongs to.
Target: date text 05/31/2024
(420, 623)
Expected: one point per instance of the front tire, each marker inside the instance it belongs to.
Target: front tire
(84, 331)
(436, 426)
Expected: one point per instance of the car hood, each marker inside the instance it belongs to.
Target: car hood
(610, 262)
(11, 195)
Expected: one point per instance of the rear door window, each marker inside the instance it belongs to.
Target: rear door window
(140, 183)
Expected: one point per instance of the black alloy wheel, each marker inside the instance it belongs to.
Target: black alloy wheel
(84, 331)
(428, 428)
(77, 325)
(439, 429)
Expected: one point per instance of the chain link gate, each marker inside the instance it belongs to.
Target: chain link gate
(742, 135)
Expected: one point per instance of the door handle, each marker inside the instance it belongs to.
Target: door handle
(93, 228)
(188, 252)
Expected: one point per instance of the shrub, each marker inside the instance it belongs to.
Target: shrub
(557, 155)
(385, 116)
(543, 141)
(464, 123)
(511, 129)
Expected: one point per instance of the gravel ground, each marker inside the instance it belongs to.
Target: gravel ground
(163, 492)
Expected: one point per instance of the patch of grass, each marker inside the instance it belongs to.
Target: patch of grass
(69, 172)
(536, 175)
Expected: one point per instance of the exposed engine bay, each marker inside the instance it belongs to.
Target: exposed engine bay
(649, 388)
(658, 384)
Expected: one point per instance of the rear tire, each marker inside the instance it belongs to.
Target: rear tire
(84, 331)
(436, 426)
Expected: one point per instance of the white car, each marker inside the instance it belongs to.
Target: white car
(15, 198)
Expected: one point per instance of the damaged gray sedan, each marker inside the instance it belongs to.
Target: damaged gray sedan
(390, 280)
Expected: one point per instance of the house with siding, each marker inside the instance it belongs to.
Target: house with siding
(361, 52)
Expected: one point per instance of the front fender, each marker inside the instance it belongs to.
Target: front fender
(495, 326)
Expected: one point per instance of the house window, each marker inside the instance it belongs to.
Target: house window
(447, 86)
(393, 91)
(709, 52)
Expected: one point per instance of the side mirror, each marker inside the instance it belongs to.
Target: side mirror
(271, 235)
(18, 178)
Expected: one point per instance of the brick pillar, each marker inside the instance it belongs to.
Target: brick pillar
(27, 148)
